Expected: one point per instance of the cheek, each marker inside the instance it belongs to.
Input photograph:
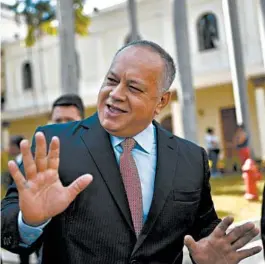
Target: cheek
(143, 109)
(103, 95)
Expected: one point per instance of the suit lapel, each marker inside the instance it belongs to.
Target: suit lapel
(167, 157)
(98, 145)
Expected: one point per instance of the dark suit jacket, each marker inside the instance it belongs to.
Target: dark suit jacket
(97, 226)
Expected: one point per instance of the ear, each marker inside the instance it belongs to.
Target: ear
(165, 99)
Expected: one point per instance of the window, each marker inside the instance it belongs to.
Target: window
(207, 31)
(27, 76)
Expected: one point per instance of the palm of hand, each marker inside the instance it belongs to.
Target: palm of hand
(43, 197)
(41, 193)
(208, 251)
(222, 248)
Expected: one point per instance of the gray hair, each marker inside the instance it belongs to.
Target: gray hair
(170, 68)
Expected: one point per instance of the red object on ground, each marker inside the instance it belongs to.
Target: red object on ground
(251, 176)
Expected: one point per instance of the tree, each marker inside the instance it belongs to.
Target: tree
(40, 16)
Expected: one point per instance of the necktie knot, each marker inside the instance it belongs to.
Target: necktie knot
(128, 144)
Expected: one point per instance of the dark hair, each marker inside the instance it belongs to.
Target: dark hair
(15, 140)
(70, 100)
(241, 126)
(209, 130)
(170, 68)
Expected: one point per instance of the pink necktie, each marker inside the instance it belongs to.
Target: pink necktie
(132, 184)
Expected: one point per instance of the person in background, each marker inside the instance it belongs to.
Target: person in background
(213, 149)
(241, 141)
(14, 151)
(67, 108)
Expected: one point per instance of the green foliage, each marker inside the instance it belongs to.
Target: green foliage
(39, 17)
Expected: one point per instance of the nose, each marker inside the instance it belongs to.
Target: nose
(118, 93)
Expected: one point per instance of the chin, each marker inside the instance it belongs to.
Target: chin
(110, 126)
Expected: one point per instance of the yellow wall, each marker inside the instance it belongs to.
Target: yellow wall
(28, 125)
(90, 111)
(209, 103)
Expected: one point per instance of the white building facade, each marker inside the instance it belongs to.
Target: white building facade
(33, 75)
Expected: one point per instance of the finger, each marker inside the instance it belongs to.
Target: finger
(54, 152)
(242, 254)
(28, 161)
(40, 152)
(222, 227)
(239, 232)
(78, 186)
(16, 175)
(190, 243)
(245, 239)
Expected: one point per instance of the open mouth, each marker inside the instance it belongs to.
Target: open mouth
(115, 110)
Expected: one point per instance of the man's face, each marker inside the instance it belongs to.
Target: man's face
(131, 94)
(64, 114)
(13, 150)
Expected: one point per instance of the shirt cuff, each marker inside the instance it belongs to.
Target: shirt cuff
(29, 234)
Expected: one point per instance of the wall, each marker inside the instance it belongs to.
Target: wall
(107, 33)
(212, 100)
(209, 102)
(28, 125)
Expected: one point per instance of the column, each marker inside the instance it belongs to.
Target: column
(186, 93)
(235, 52)
(69, 79)
(177, 125)
(260, 108)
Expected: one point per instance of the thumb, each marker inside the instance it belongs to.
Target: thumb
(79, 185)
(190, 243)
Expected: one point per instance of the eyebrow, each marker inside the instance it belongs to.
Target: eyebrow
(113, 74)
(137, 82)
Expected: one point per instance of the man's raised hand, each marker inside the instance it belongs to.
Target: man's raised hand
(41, 193)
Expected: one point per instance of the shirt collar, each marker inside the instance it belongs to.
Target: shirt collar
(144, 139)
(18, 158)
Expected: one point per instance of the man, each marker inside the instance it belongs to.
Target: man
(241, 143)
(213, 149)
(14, 151)
(67, 108)
(150, 189)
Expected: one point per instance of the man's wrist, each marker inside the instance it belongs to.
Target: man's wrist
(32, 224)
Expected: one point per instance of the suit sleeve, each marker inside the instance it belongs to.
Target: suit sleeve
(206, 219)
(10, 238)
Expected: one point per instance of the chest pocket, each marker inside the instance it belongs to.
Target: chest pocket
(186, 196)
